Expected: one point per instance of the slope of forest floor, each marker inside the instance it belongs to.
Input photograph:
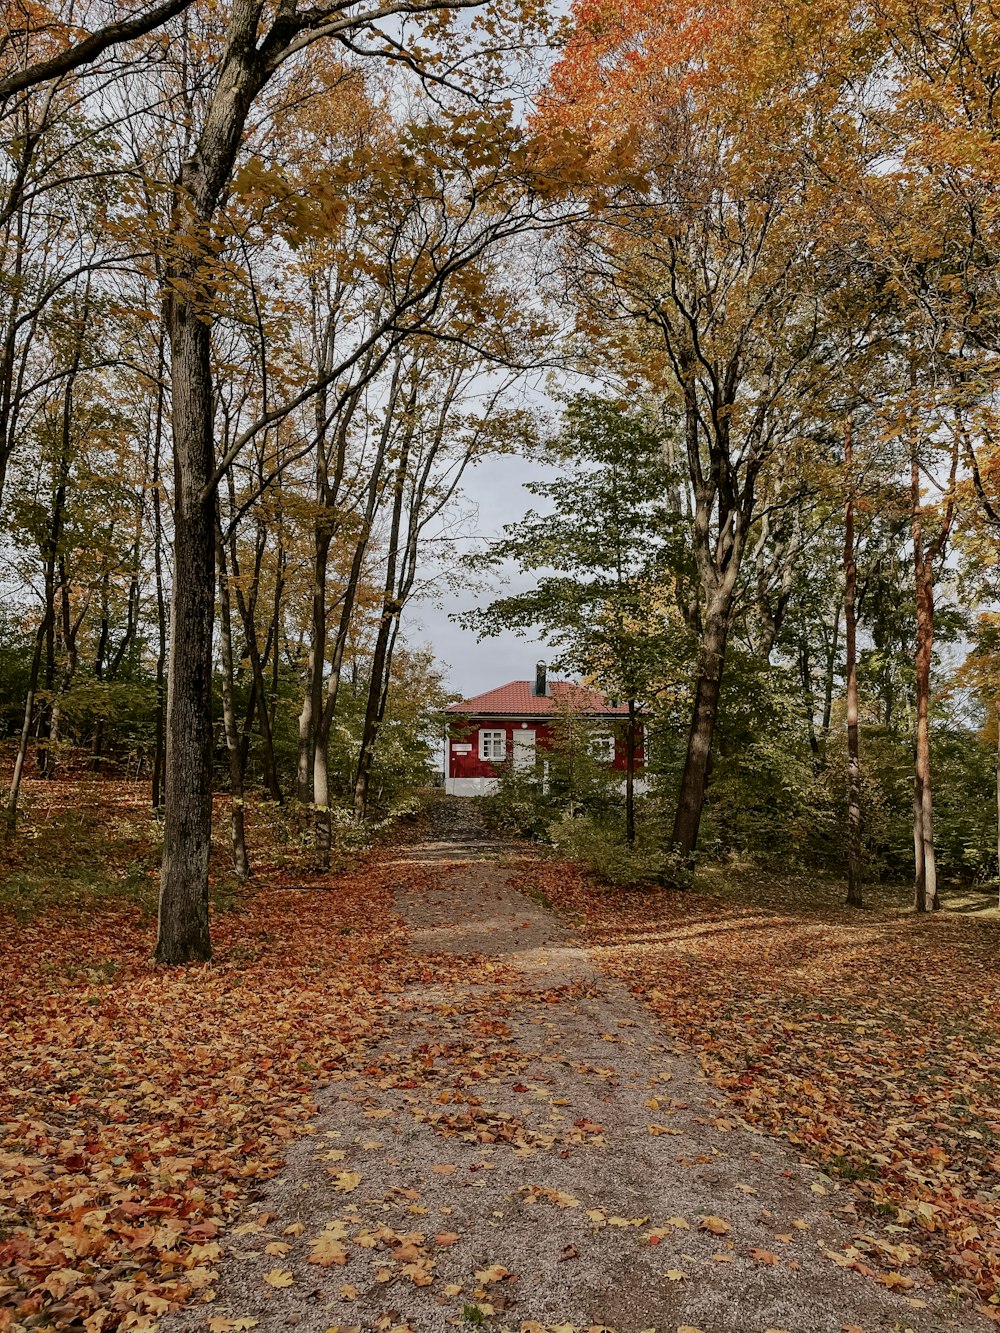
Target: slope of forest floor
(139, 1105)
(870, 1040)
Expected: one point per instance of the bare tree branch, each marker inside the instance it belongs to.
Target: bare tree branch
(92, 46)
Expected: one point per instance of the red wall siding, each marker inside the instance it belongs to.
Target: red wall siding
(471, 766)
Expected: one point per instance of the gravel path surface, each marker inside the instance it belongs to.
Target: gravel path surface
(528, 1151)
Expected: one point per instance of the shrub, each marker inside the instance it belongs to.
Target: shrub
(601, 848)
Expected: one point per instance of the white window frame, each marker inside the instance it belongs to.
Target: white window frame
(493, 745)
(603, 747)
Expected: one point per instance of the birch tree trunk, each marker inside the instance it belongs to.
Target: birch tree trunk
(925, 894)
(855, 896)
(241, 863)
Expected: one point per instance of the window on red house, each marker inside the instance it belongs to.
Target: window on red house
(602, 747)
(493, 745)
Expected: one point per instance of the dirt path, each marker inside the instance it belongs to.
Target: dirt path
(527, 1149)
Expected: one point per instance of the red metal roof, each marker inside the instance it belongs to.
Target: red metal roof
(518, 699)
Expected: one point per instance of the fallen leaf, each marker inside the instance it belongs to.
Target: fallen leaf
(279, 1277)
(327, 1250)
(346, 1181)
(895, 1281)
(764, 1256)
(495, 1273)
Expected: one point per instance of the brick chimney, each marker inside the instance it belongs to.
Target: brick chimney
(541, 688)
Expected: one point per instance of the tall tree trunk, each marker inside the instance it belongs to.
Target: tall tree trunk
(183, 917)
(315, 712)
(630, 740)
(275, 642)
(29, 708)
(189, 281)
(697, 762)
(303, 769)
(392, 606)
(925, 894)
(159, 744)
(259, 698)
(830, 671)
(378, 692)
(46, 758)
(323, 816)
(70, 634)
(855, 897)
(310, 718)
(241, 863)
(102, 646)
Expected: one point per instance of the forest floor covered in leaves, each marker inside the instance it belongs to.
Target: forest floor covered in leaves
(870, 1040)
(477, 1126)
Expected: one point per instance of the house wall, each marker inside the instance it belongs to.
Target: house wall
(465, 767)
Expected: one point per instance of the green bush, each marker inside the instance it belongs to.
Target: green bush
(602, 849)
(566, 780)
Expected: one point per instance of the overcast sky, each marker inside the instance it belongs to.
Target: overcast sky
(496, 488)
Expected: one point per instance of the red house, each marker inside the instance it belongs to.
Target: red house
(515, 723)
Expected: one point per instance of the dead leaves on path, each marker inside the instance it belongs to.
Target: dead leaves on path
(872, 1042)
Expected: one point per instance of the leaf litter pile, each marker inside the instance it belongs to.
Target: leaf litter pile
(140, 1104)
(871, 1041)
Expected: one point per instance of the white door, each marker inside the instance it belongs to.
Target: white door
(524, 751)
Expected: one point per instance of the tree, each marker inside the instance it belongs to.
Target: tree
(604, 596)
(28, 26)
(255, 48)
(855, 893)
(706, 233)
